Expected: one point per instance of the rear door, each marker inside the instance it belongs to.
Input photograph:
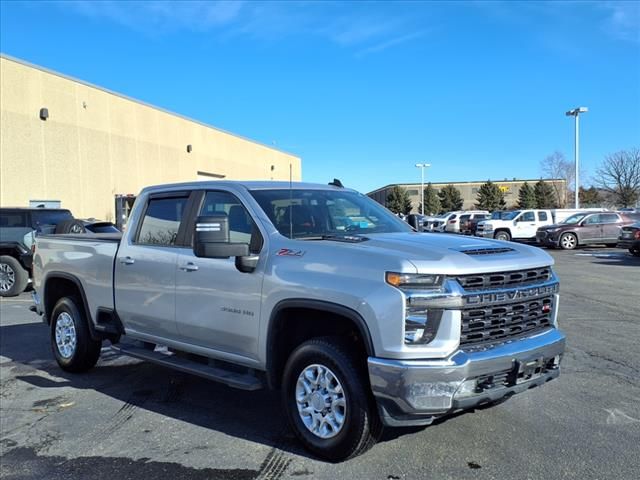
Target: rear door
(145, 269)
(610, 225)
(591, 229)
(217, 306)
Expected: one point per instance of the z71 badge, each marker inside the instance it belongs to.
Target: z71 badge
(287, 252)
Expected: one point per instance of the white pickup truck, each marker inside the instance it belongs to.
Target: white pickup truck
(516, 225)
(314, 290)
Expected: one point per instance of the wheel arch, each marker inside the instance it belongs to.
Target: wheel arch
(336, 320)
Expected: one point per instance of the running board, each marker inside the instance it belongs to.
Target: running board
(243, 381)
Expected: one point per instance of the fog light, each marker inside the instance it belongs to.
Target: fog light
(421, 327)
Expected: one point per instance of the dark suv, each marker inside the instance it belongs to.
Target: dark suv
(18, 227)
(585, 228)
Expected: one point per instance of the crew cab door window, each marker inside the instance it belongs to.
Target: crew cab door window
(542, 216)
(242, 228)
(161, 221)
(527, 217)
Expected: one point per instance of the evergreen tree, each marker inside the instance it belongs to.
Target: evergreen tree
(545, 195)
(527, 197)
(590, 197)
(490, 197)
(431, 201)
(450, 199)
(398, 201)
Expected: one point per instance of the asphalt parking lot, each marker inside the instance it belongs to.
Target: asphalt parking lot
(128, 419)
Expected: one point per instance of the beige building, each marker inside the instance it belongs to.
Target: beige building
(469, 191)
(64, 139)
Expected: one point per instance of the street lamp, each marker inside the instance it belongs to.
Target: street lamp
(422, 166)
(576, 113)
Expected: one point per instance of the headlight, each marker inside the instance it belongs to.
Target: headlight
(415, 281)
(420, 327)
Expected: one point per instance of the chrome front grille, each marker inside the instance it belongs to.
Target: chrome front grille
(488, 281)
(498, 323)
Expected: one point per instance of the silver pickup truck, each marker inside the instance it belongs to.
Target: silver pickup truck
(315, 290)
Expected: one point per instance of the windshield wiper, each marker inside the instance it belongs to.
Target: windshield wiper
(336, 238)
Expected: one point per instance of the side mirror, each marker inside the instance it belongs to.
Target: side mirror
(413, 220)
(211, 238)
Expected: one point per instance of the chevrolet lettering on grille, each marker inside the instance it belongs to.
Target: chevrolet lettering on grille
(510, 295)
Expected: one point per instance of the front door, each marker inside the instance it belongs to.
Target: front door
(145, 269)
(217, 306)
(525, 225)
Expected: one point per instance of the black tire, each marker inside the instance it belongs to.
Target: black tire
(568, 241)
(502, 235)
(13, 278)
(70, 226)
(86, 352)
(362, 427)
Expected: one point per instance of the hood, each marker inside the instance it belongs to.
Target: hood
(454, 254)
(554, 226)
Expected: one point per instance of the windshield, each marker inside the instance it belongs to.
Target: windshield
(316, 213)
(510, 215)
(575, 218)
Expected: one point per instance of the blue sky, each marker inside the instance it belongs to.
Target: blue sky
(363, 91)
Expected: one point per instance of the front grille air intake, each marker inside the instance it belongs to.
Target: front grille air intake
(489, 281)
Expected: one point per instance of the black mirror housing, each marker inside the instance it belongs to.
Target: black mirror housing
(211, 238)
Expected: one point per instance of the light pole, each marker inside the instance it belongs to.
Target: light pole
(422, 166)
(576, 114)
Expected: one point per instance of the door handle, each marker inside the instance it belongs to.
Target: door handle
(189, 267)
(127, 261)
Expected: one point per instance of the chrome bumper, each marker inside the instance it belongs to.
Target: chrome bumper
(414, 392)
(484, 233)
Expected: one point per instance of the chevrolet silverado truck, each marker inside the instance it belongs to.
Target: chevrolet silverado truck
(360, 324)
(516, 225)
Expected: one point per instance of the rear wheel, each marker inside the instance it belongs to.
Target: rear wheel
(13, 278)
(502, 235)
(568, 241)
(71, 342)
(327, 400)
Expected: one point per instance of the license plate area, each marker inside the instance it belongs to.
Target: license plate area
(529, 369)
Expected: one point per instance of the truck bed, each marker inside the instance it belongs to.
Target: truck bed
(87, 257)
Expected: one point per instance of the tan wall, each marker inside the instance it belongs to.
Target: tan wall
(96, 144)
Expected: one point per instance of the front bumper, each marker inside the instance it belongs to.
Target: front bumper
(484, 233)
(414, 392)
(630, 244)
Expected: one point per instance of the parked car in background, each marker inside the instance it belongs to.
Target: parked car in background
(516, 225)
(585, 228)
(440, 221)
(561, 214)
(453, 223)
(465, 220)
(630, 238)
(18, 229)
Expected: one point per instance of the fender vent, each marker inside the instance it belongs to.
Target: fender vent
(487, 251)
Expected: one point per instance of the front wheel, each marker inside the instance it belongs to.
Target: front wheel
(568, 241)
(502, 235)
(328, 401)
(71, 342)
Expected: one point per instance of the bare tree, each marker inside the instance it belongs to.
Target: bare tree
(619, 175)
(557, 167)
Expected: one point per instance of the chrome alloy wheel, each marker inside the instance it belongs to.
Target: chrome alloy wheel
(76, 228)
(65, 335)
(7, 277)
(321, 402)
(568, 242)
